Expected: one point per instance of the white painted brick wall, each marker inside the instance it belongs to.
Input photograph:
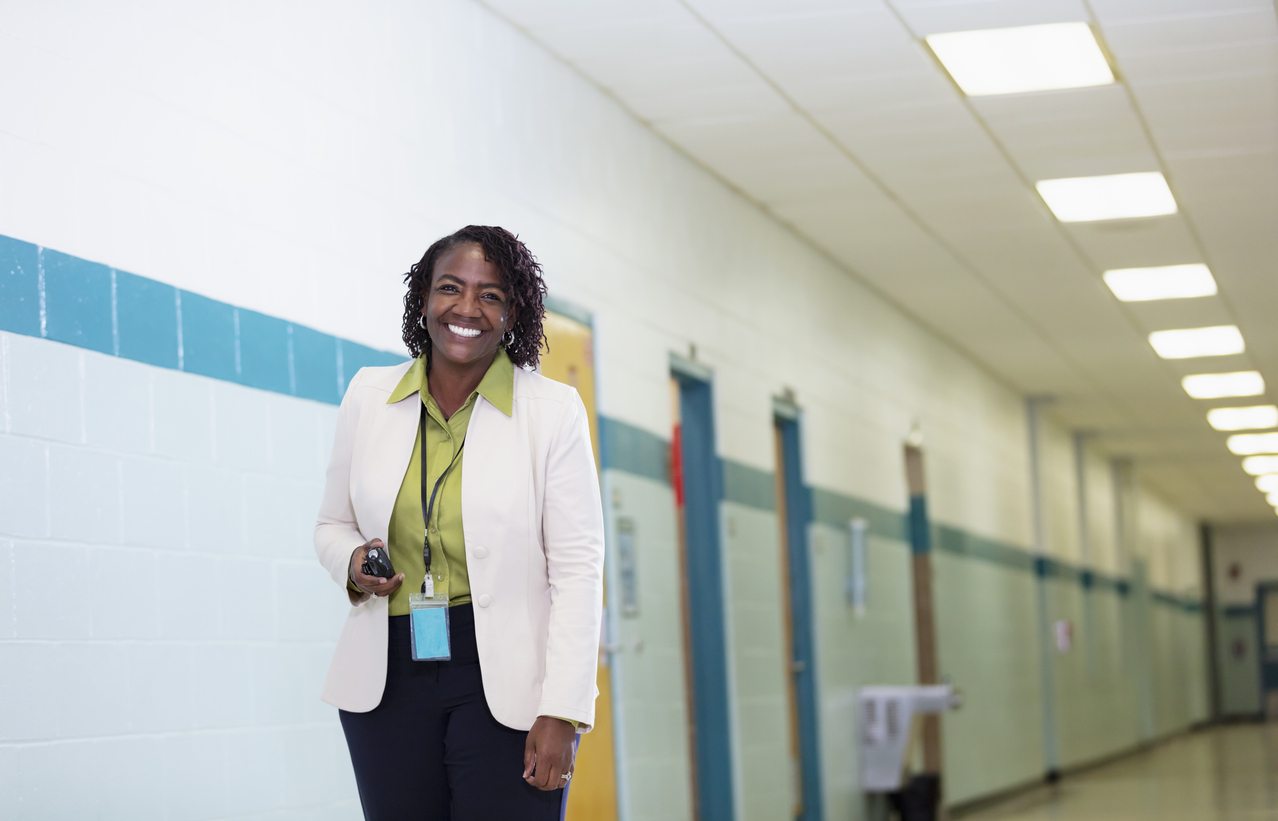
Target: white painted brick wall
(164, 626)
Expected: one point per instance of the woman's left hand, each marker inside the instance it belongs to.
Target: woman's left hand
(548, 753)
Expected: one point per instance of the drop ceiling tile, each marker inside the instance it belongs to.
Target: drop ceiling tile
(1215, 62)
(1108, 11)
(1191, 31)
(934, 16)
(864, 40)
(550, 15)
(869, 96)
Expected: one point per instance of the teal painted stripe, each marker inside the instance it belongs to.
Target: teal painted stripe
(1238, 611)
(634, 450)
(961, 543)
(52, 295)
(836, 510)
(1189, 605)
(749, 486)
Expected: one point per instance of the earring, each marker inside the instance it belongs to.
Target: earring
(507, 339)
(420, 323)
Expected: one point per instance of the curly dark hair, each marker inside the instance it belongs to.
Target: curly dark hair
(520, 277)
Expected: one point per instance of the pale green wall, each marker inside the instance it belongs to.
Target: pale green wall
(757, 662)
(988, 644)
(648, 674)
(1095, 695)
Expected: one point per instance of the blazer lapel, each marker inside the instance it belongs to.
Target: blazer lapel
(389, 449)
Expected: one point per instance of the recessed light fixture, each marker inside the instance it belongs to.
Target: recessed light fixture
(1260, 465)
(1167, 282)
(1221, 385)
(1219, 340)
(1252, 418)
(1249, 444)
(1267, 483)
(1113, 197)
(1022, 58)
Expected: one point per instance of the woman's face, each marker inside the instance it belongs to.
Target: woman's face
(466, 311)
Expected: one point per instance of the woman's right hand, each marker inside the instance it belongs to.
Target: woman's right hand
(375, 585)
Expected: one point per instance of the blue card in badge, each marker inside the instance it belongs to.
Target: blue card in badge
(428, 620)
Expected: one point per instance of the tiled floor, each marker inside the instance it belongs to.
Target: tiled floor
(1226, 773)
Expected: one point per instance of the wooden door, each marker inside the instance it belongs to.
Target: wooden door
(593, 795)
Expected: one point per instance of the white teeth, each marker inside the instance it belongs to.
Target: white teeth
(460, 331)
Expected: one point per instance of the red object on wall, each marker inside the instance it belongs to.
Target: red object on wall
(1239, 649)
(1235, 571)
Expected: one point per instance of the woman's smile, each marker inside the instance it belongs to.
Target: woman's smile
(460, 330)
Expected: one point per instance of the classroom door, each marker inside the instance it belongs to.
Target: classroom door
(794, 515)
(593, 795)
(696, 475)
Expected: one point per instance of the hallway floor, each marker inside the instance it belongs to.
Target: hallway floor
(1225, 773)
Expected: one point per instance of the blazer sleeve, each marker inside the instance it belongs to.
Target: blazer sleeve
(573, 538)
(336, 531)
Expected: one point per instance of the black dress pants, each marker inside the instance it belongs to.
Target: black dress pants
(431, 750)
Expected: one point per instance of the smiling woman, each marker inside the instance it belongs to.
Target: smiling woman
(444, 704)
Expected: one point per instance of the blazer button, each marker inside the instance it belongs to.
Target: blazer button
(485, 600)
(481, 552)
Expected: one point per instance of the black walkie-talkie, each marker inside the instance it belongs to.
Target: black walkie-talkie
(377, 563)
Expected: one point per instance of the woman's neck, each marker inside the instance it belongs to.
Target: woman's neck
(452, 383)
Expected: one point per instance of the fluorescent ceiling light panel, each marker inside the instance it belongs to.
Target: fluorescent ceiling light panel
(1024, 58)
(1253, 418)
(1221, 385)
(1272, 498)
(1259, 465)
(1267, 483)
(1113, 197)
(1220, 340)
(1167, 282)
(1249, 444)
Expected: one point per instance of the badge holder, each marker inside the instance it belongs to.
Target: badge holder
(428, 624)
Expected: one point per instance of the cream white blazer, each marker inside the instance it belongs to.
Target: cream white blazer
(533, 522)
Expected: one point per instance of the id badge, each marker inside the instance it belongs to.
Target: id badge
(428, 623)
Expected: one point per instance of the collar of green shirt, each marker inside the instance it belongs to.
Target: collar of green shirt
(497, 386)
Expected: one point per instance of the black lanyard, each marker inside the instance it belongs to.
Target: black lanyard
(429, 506)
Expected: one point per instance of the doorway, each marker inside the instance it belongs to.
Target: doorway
(697, 478)
(593, 796)
(793, 517)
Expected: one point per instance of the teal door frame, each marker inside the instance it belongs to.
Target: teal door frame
(798, 515)
(702, 484)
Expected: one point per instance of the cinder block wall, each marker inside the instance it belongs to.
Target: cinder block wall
(163, 622)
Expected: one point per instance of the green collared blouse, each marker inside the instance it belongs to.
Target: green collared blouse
(444, 438)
